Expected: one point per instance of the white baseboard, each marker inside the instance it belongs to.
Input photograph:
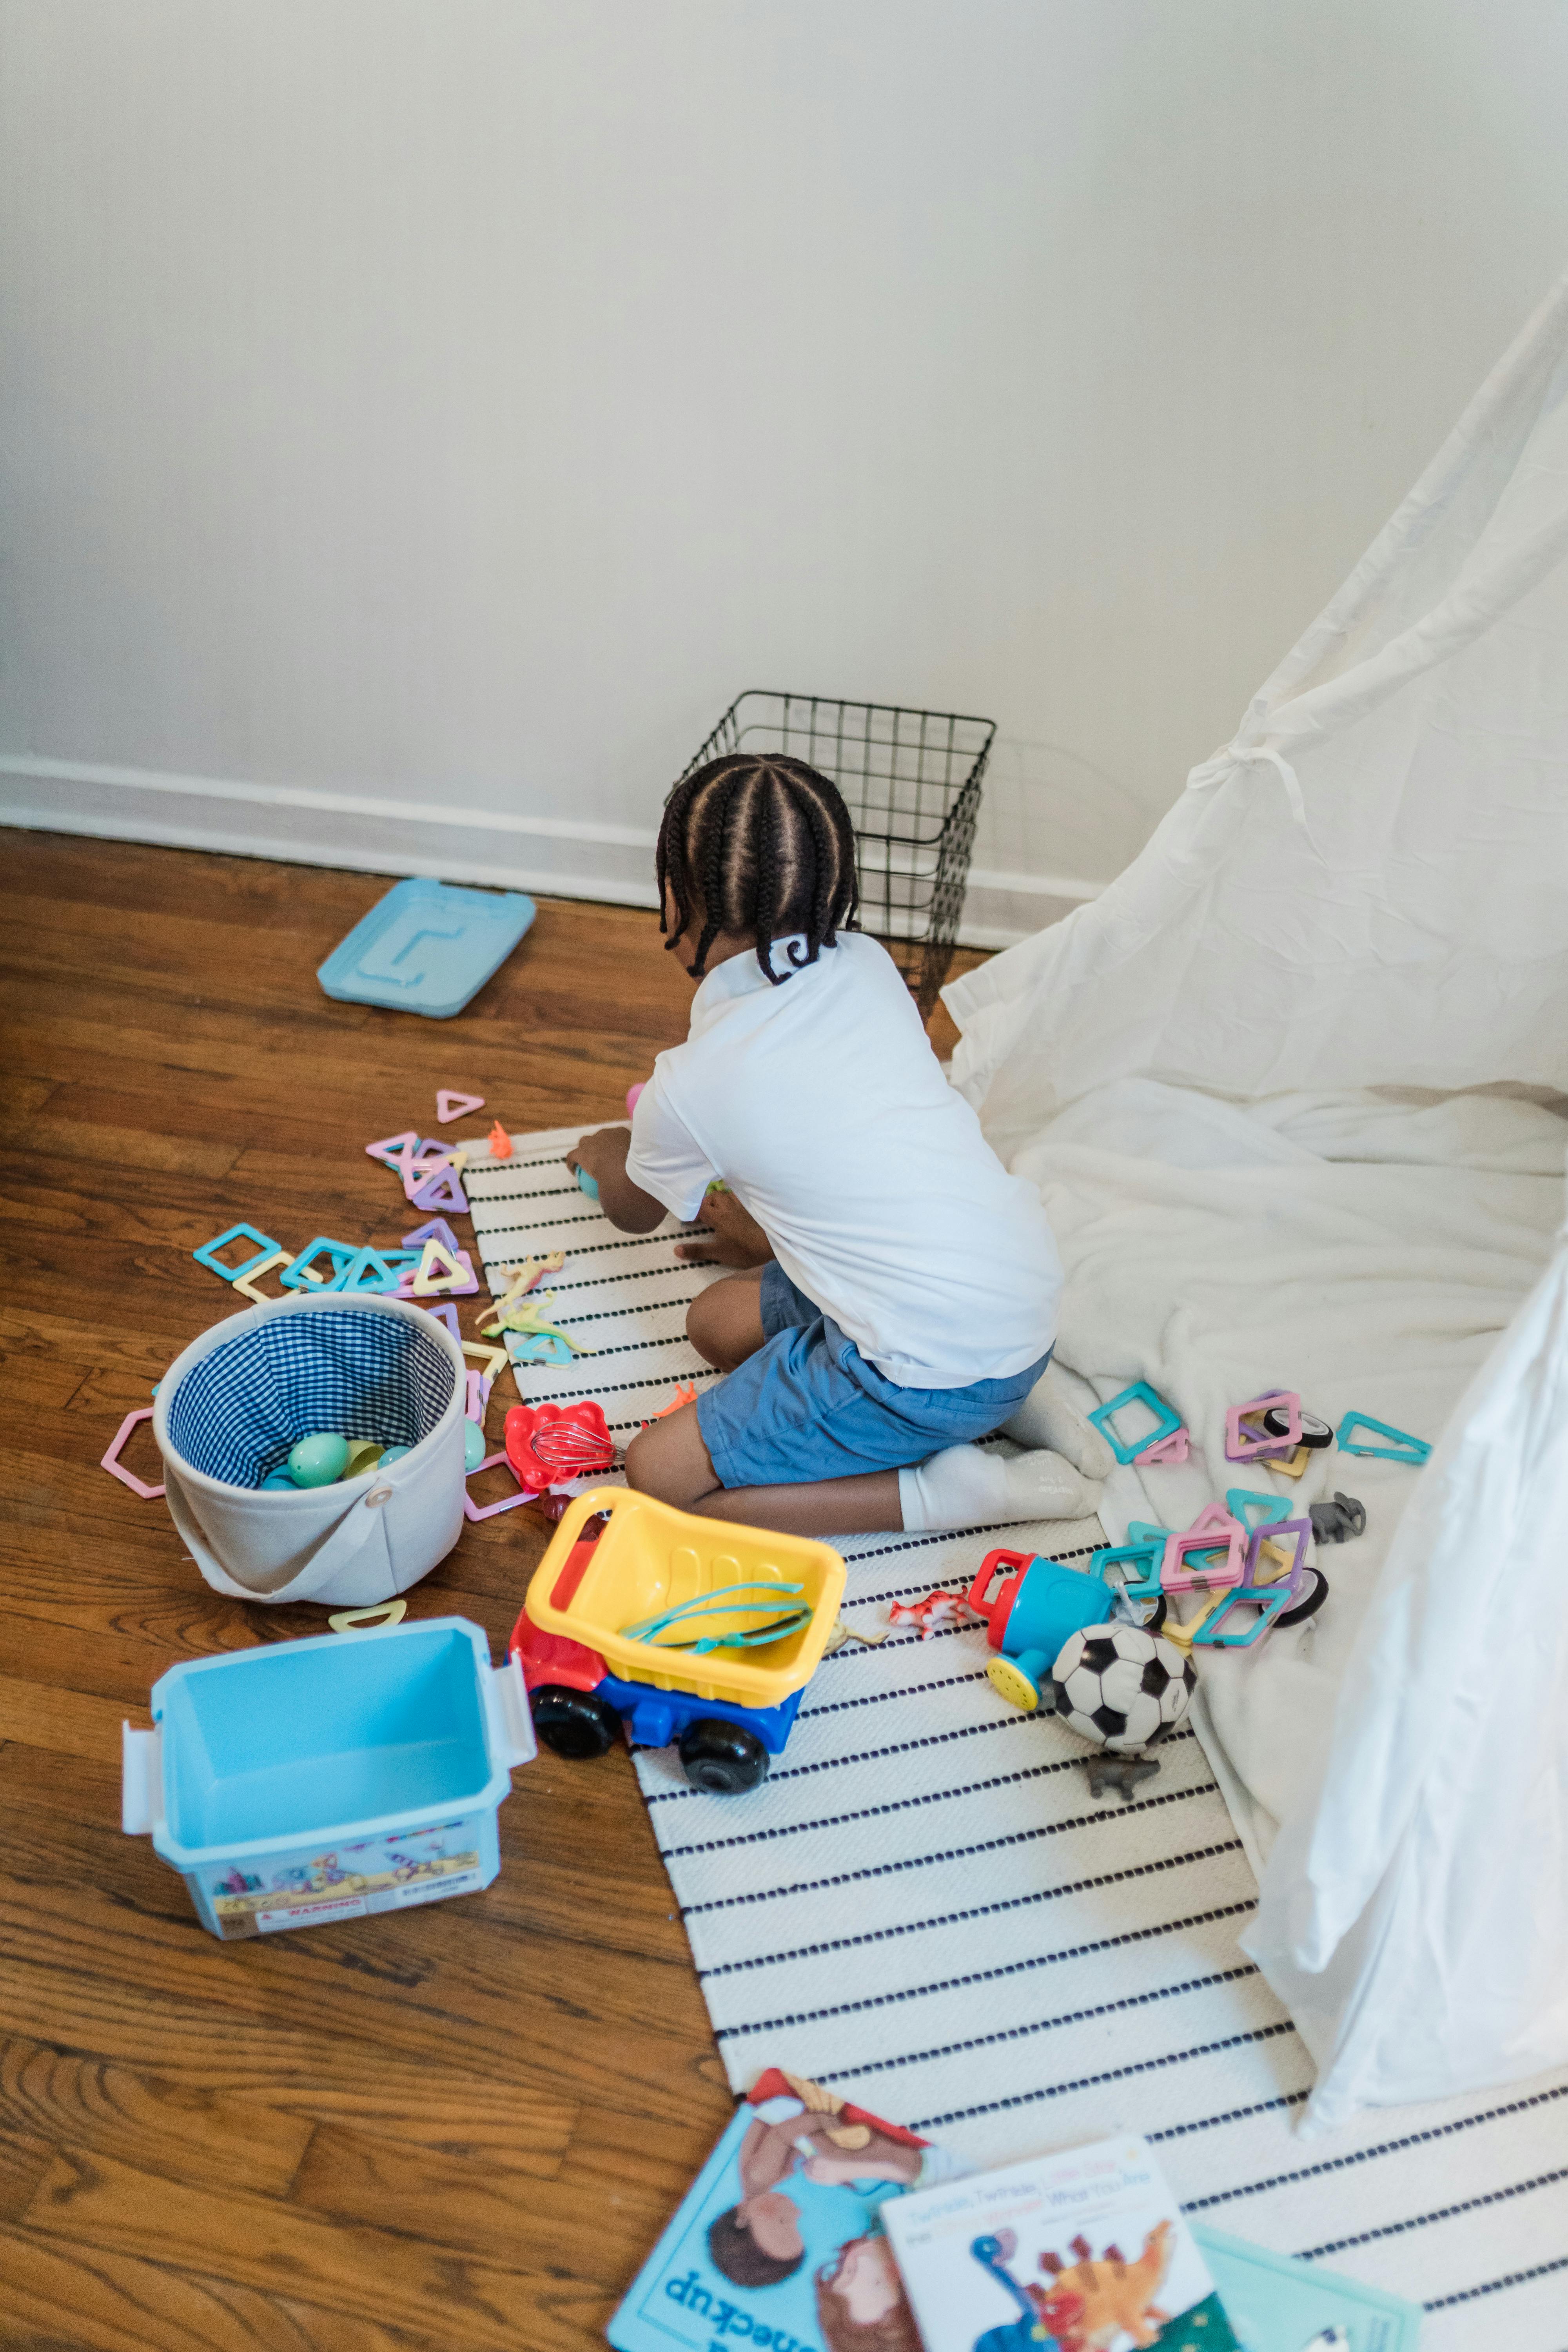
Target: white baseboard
(558, 856)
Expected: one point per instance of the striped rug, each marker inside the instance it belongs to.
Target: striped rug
(924, 1907)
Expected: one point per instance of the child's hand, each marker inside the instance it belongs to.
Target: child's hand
(740, 1242)
(603, 1156)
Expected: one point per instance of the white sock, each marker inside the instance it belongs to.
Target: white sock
(1048, 1416)
(964, 1486)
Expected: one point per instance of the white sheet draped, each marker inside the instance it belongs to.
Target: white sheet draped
(1415, 1905)
(1373, 1252)
(1367, 889)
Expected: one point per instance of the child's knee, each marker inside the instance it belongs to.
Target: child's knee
(699, 1329)
(712, 1328)
(724, 1322)
(668, 1461)
(642, 1467)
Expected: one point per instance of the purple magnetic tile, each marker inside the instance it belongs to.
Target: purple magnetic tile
(436, 1230)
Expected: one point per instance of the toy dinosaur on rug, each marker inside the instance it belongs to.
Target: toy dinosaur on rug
(937, 1613)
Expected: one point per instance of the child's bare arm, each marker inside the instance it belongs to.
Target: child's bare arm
(603, 1156)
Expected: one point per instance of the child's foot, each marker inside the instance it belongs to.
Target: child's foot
(1048, 1416)
(965, 1487)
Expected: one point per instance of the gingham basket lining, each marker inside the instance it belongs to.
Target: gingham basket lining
(236, 1414)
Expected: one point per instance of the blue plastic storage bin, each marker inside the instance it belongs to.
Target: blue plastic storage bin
(325, 1780)
(426, 947)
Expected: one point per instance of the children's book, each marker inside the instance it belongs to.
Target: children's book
(1085, 2251)
(779, 2246)
(1278, 2304)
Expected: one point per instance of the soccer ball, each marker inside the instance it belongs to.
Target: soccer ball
(1120, 1687)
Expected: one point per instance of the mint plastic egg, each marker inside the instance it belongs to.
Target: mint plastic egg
(319, 1461)
(473, 1444)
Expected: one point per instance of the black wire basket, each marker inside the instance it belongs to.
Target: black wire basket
(912, 780)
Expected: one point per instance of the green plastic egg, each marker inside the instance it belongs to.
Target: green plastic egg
(473, 1444)
(319, 1461)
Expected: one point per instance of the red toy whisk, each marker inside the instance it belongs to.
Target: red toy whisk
(548, 1443)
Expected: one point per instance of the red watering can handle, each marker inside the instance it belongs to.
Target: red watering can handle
(1004, 1563)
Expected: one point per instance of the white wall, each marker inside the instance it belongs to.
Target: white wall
(421, 417)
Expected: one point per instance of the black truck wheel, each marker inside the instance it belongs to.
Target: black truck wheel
(723, 1757)
(574, 1723)
(1311, 1602)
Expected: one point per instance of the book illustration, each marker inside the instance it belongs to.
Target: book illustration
(378, 1874)
(758, 2242)
(1085, 2307)
(860, 2304)
(1084, 2251)
(780, 2241)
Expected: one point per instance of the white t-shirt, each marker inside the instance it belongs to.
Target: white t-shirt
(822, 1106)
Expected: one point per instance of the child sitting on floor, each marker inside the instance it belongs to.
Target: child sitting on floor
(909, 1307)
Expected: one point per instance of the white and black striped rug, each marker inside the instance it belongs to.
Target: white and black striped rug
(924, 1907)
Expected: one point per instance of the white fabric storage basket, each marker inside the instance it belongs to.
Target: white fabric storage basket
(231, 1407)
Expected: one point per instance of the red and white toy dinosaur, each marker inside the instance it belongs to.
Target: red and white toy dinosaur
(934, 1613)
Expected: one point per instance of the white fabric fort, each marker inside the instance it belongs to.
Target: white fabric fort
(1294, 1090)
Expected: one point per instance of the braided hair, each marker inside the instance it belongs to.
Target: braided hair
(758, 843)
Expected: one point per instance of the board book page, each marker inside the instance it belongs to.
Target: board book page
(1085, 2250)
(1278, 2305)
(778, 2244)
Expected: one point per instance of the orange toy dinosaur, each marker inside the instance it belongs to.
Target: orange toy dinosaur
(1089, 2306)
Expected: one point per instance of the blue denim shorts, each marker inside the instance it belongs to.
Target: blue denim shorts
(807, 1405)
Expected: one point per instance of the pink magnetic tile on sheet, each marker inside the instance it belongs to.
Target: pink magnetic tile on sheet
(1241, 1448)
(1213, 1529)
(1174, 1448)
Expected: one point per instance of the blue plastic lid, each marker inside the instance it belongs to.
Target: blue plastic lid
(426, 947)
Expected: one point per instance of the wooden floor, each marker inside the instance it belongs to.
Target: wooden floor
(460, 2126)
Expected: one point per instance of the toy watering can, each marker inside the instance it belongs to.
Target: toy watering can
(1030, 1607)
